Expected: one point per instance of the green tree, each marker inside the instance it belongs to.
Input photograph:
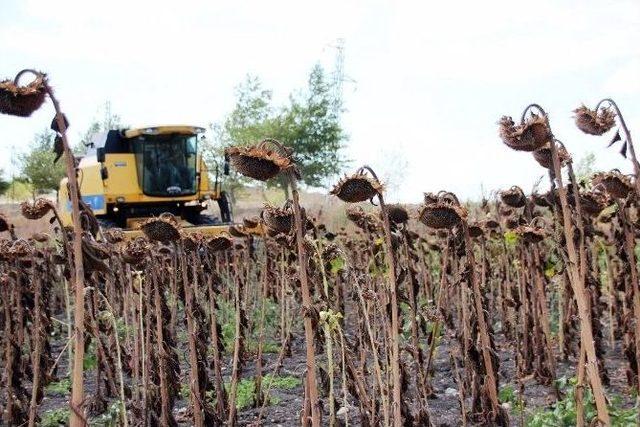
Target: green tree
(309, 123)
(311, 126)
(37, 165)
(244, 125)
(585, 168)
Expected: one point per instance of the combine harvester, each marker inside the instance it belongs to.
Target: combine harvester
(130, 175)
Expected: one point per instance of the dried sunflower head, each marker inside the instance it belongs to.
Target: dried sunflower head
(475, 230)
(164, 228)
(531, 233)
(94, 254)
(614, 183)
(5, 246)
(251, 222)
(356, 188)
(258, 161)
(278, 220)
(193, 242)
(491, 224)
(20, 249)
(36, 210)
(4, 223)
(135, 251)
(362, 219)
(22, 101)
(593, 202)
(513, 197)
(444, 213)
(113, 235)
(237, 231)
(540, 200)
(543, 156)
(528, 136)
(222, 242)
(398, 214)
(513, 222)
(594, 122)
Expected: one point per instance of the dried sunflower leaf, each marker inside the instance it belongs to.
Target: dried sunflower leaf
(615, 139)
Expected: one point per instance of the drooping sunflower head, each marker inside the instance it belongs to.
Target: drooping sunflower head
(593, 202)
(22, 101)
(278, 220)
(533, 232)
(4, 223)
(443, 213)
(135, 251)
(544, 158)
(221, 242)
(398, 214)
(113, 235)
(164, 228)
(192, 242)
(530, 135)
(259, 161)
(356, 188)
(594, 122)
(614, 183)
(37, 209)
(513, 197)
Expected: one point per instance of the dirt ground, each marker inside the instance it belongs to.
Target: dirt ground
(444, 409)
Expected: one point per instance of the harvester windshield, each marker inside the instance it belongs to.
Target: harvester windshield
(166, 164)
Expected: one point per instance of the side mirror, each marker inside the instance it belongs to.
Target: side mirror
(100, 154)
(104, 173)
(225, 169)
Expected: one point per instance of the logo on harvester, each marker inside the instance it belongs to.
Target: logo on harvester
(95, 202)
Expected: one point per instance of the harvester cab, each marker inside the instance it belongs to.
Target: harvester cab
(130, 175)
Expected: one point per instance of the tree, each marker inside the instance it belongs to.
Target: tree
(311, 126)
(585, 167)
(244, 125)
(309, 123)
(37, 166)
(4, 185)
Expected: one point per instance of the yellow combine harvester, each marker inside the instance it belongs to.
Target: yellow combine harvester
(130, 175)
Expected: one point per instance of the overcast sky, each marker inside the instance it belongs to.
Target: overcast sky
(431, 78)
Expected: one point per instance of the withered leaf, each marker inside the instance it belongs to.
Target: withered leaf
(615, 139)
(623, 151)
(54, 123)
(58, 148)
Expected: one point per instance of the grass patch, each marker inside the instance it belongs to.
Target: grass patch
(563, 412)
(62, 387)
(507, 394)
(246, 389)
(55, 418)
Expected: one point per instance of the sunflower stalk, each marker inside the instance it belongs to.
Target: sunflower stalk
(577, 283)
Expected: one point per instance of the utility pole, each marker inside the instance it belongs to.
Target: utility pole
(338, 76)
